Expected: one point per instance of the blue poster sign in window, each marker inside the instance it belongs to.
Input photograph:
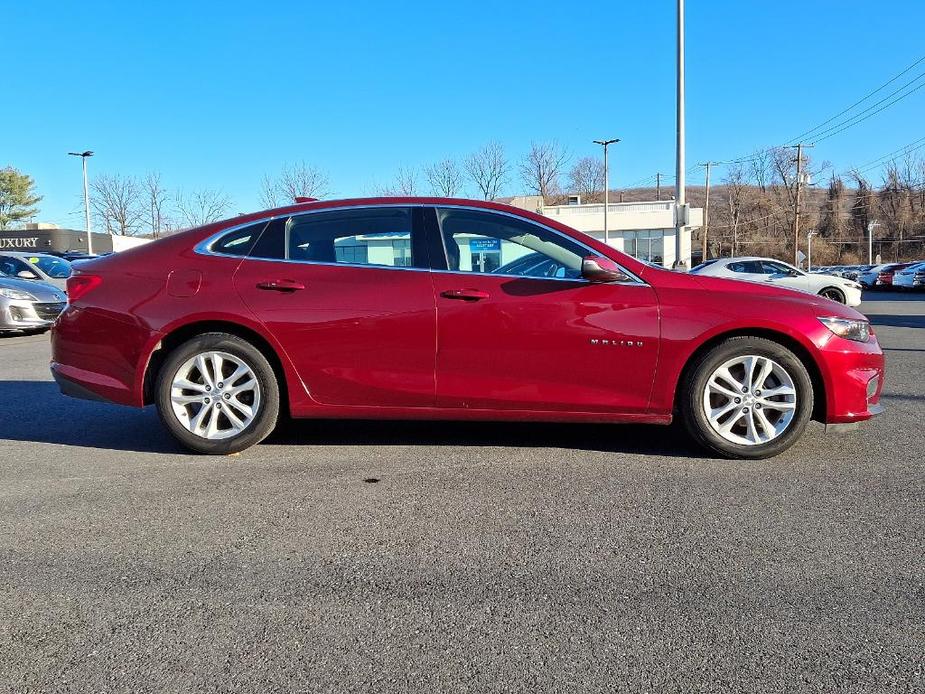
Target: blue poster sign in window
(485, 245)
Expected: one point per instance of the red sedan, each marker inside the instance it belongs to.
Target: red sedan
(429, 308)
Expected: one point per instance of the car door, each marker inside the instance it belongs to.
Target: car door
(509, 341)
(785, 275)
(349, 296)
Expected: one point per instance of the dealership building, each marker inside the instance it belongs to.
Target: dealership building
(42, 238)
(644, 230)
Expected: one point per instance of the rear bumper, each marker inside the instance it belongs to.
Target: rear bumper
(97, 355)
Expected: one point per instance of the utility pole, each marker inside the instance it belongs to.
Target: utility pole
(83, 157)
(658, 186)
(809, 249)
(706, 210)
(605, 144)
(680, 191)
(796, 212)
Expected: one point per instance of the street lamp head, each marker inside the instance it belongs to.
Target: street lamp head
(607, 142)
(87, 153)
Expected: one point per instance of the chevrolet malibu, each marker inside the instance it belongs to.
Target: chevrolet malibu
(416, 308)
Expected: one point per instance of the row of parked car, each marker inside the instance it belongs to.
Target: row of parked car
(884, 276)
(33, 290)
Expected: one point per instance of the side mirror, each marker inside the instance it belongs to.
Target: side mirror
(597, 268)
(27, 275)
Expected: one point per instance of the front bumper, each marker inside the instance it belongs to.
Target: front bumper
(854, 378)
(18, 314)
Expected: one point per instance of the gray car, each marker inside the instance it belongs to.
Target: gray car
(28, 305)
(40, 267)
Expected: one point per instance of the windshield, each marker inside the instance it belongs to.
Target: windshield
(57, 268)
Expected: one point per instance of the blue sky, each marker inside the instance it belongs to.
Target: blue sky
(218, 94)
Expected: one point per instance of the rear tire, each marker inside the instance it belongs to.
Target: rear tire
(217, 394)
(746, 398)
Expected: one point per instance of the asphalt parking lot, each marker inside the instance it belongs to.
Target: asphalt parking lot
(487, 557)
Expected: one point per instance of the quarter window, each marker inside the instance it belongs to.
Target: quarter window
(240, 241)
(488, 243)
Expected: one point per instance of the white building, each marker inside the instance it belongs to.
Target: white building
(645, 230)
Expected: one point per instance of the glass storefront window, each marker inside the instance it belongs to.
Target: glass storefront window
(645, 244)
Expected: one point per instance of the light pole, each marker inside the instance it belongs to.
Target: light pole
(809, 249)
(870, 241)
(604, 144)
(83, 158)
(680, 191)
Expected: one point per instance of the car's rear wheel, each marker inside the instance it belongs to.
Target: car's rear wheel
(747, 397)
(833, 294)
(217, 394)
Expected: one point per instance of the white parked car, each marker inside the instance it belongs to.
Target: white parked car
(832, 287)
(912, 277)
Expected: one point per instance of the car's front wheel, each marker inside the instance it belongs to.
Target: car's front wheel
(217, 394)
(747, 397)
(833, 294)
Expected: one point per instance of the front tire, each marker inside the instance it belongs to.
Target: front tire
(217, 394)
(833, 294)
(747, 398)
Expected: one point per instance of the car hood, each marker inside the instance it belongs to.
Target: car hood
(43, 291)
(757, 290)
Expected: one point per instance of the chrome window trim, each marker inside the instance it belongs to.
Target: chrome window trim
(204, 247)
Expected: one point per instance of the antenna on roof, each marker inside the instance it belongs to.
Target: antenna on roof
(301, 198)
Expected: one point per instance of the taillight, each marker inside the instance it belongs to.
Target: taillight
(79, 285)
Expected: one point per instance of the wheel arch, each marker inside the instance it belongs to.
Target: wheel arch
(783, 339)
(180, 334)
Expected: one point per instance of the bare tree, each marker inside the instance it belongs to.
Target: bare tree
(445, 178)
(542, 167)
(587, 176)
(117, 203)
(736, 191)
(488, 169)
(157, 198)
(202, 206)
(405, 184)
(299, 180)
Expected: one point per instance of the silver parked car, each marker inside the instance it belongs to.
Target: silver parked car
(28, 305)
(40, 267)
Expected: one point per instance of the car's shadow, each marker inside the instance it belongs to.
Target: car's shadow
(36, 411)
(905, 321)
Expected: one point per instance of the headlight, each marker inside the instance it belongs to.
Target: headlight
(857, 330)
(16, 294)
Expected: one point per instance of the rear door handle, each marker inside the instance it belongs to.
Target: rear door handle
(465, 294)
(280, 285)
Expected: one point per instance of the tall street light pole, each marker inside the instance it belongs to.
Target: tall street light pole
(604, 144)
(680, 188)
(83, 157)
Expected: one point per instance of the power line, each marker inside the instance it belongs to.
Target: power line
(862, 99)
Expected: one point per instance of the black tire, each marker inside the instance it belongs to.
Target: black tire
(834, 294)
(264, 419)
(695, 382)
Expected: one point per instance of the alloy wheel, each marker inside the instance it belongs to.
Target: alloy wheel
(215, 395)
(750, 400)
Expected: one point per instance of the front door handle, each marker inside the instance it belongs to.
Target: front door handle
(280, 285)
(465, 294)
